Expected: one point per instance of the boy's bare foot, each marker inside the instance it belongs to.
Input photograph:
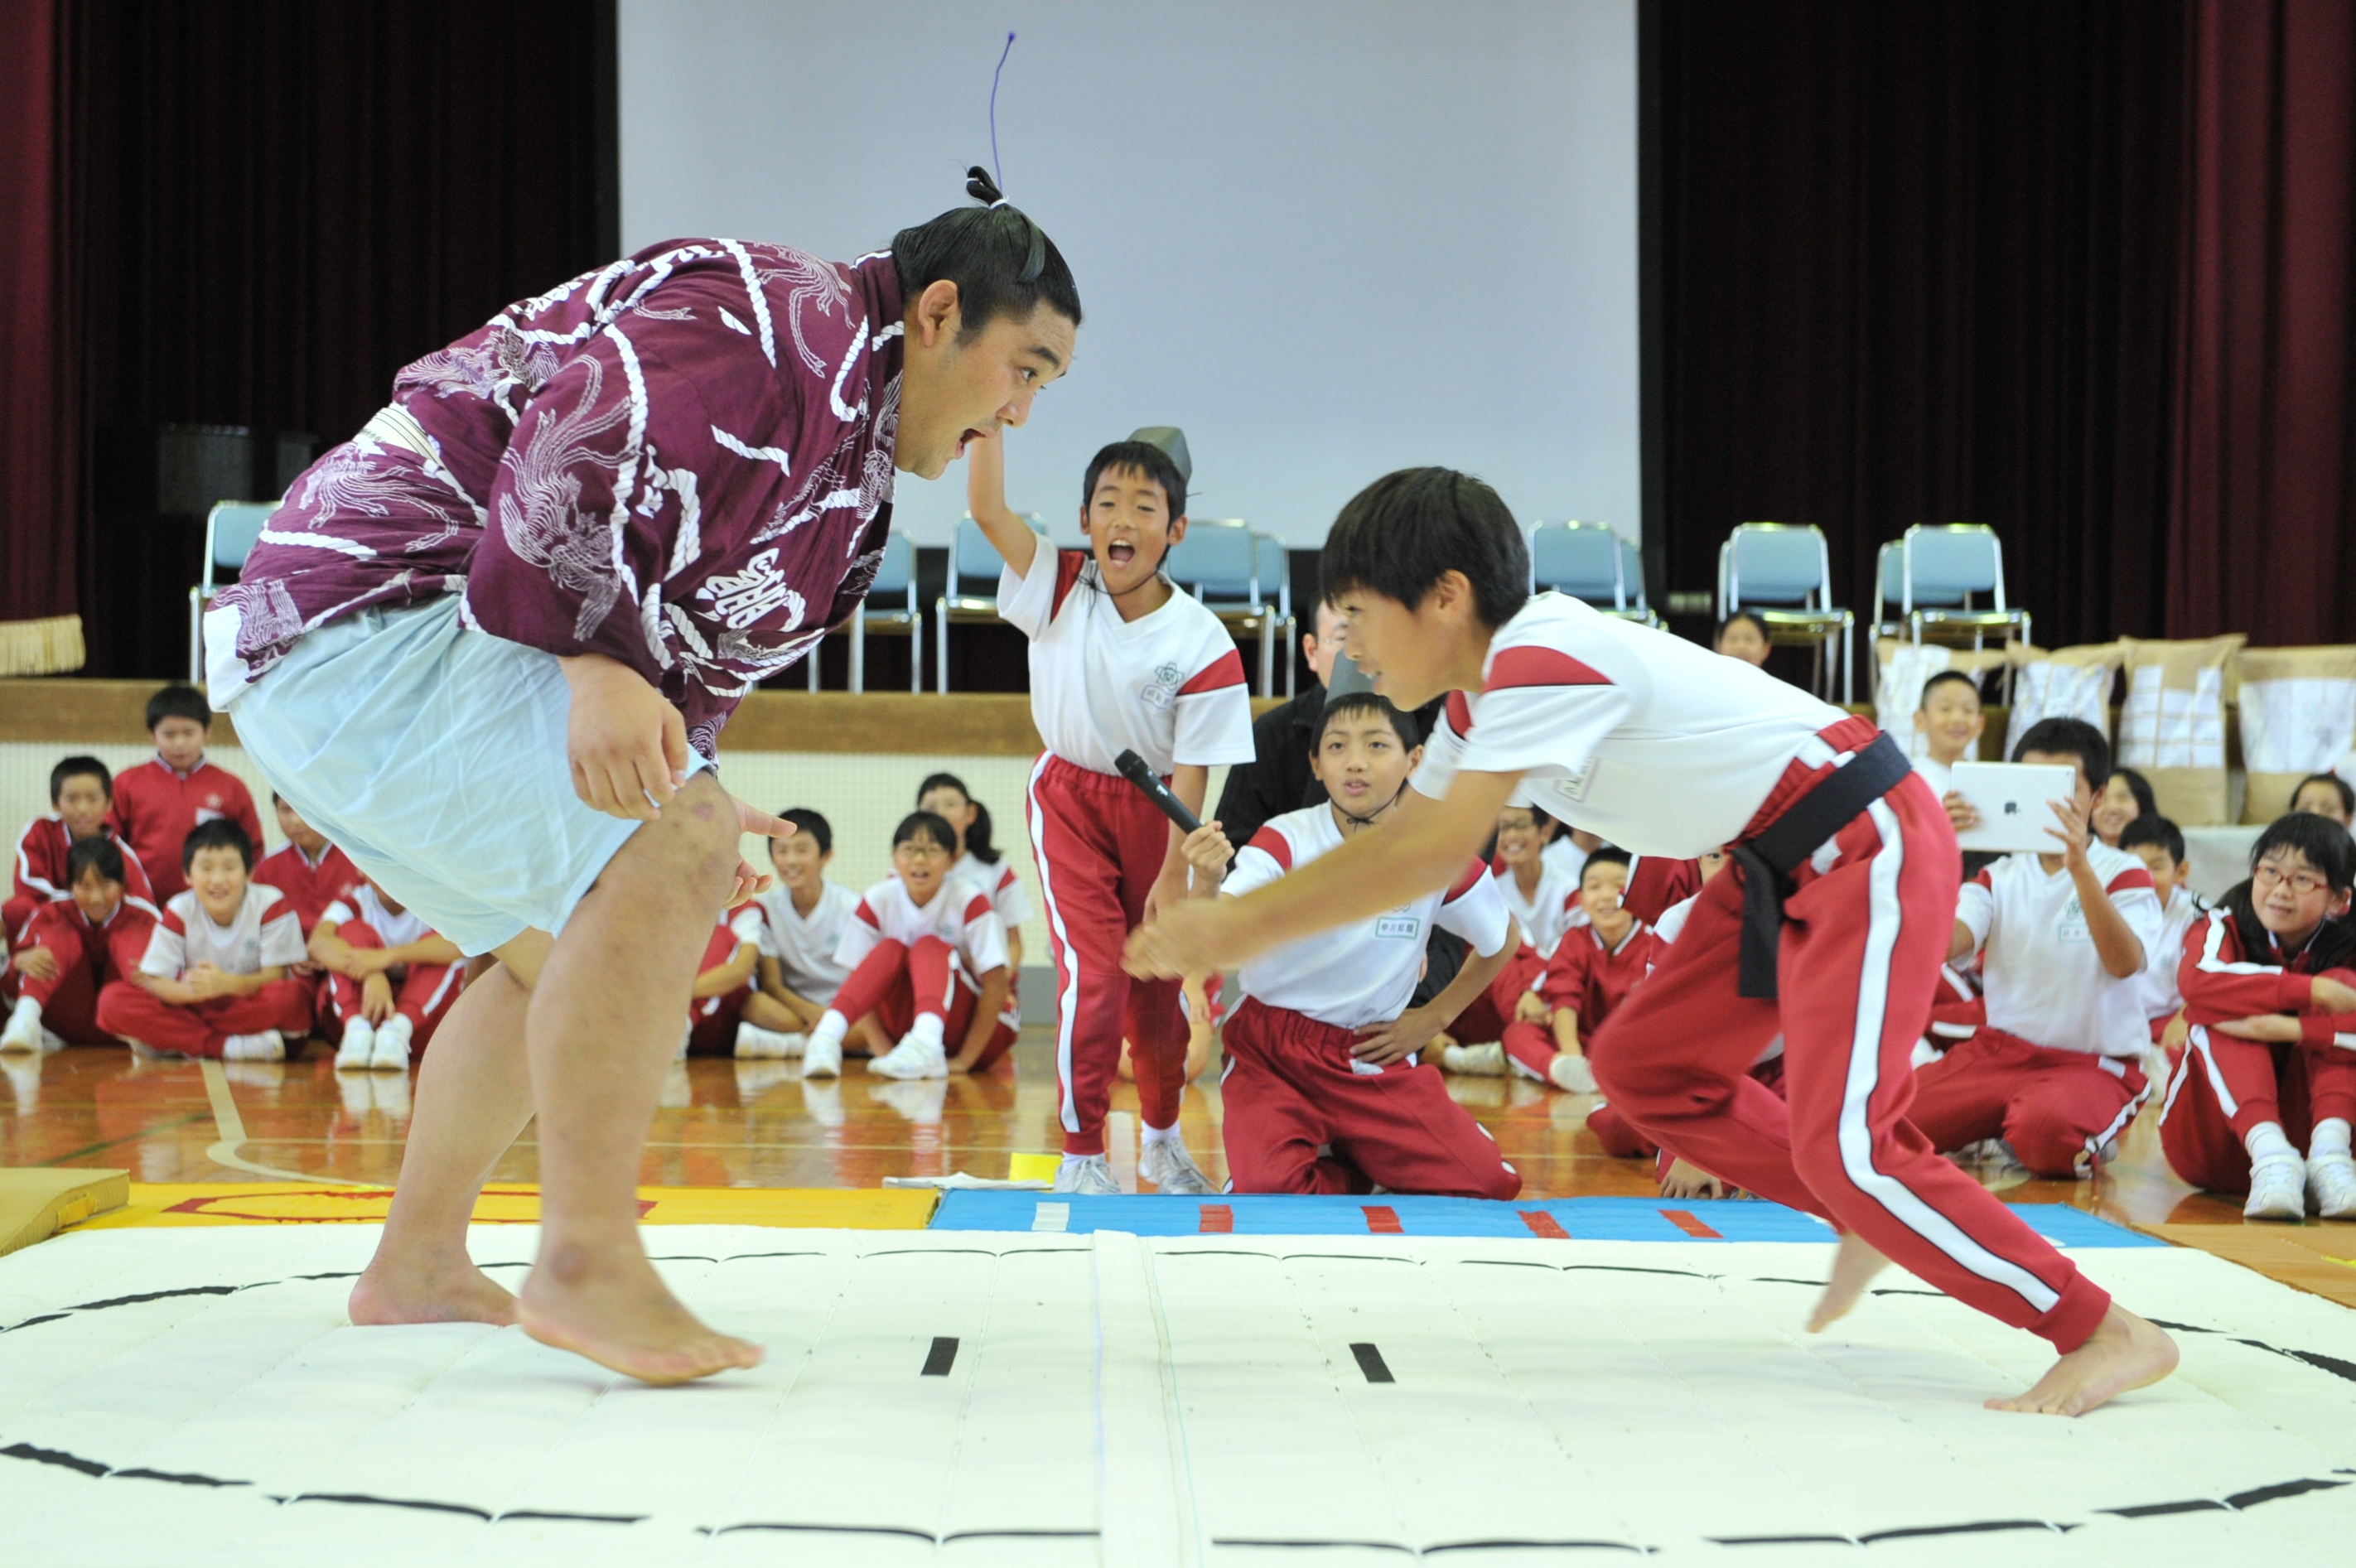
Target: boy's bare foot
(1853, 1266)
(2124, 1353)
(395, 1291)
(619, 1313)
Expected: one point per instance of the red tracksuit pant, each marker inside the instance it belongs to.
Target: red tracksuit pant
(2222, 1087)
(422, 993)
(1099, 844)
(2060, 1110)
(132, 1012)
(1622, 1141)
(898, 982)
(1292, 1087)
(1858, 961)
(69, 1002)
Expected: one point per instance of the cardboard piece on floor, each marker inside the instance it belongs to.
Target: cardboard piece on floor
(38, 1201)
(517, 1203)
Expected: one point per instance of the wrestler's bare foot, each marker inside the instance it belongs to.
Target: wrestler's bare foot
(2124, 1353)
(611, 1308)
(440, 1290)
(1853, 1266)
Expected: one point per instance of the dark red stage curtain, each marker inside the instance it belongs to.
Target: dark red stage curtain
(2265, 492)
(36, 488)
(278, 203)
(1919, 263)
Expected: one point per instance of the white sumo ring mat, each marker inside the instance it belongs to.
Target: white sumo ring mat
(196, 1396)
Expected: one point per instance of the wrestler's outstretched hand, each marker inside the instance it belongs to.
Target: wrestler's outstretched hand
(1189, 938)
(626, 743)
(751, 884)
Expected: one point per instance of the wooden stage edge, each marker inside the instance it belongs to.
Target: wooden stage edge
(888, 724)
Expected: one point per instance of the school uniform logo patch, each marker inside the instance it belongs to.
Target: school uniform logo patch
(1164, 689)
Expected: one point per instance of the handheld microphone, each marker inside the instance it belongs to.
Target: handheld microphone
(1136, 769)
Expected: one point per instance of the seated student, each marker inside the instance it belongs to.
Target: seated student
(1323, 1091)
(2326, 794)
(315, 876)
(1743, 635)
(214, 980)
(928, 957)
(1950, 722)
(1591, 971)
(158, 803)
(2126, 796)
(83, 792)
(2159, 845)
(2063, 937)
(1567, 851)
(1538, 893)
(978, 860)
(728, 1015)
(393, 979)
(803, 920)
(2264, 1097)
(74, 947)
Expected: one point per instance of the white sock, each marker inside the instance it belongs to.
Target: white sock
(927, 1028)
(830, 1028)
(2331, 1137)
(2265, 1141)
(1154, 1135)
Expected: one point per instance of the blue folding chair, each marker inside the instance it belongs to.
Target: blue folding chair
(1275, 562)
(972, 595)
(890, 609)
(1218, 563)
(1948, 581)
(1782, 572)
(1591, 562)
(232, 531)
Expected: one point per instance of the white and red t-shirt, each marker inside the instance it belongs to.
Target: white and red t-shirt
(313, 887)
(1671, 925)
(960, 915)
(264, 934)
(1547, 913)
(367, 904)
(805, 947)
(1168, 685)
(2043, 981)
(1365, 971)
(997, 878)
(1653, 743)
(2156, 986)
(42, 866)
(156, 807)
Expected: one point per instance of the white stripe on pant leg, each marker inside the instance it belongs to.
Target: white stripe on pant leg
(450, 973)
(2176, 1083)
(1068, 1001)
(2102, 1140)
(2198, 1040)
(1885, 916)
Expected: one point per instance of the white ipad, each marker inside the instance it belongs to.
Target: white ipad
(2012, 800)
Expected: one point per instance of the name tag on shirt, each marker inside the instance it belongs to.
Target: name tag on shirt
(2071, 925)
(1397, 925)
(1573, 786)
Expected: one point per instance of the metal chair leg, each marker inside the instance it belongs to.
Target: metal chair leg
(859, 647)
(916, 655)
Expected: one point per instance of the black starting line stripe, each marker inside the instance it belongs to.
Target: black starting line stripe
(940, 1359)
(1371, 1362)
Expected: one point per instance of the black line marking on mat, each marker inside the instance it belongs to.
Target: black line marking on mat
(1812, 1284)
(682, 1258)
(573, 1518)
(1370, 1361)
(1978, 1527)
(1534, 1544)
(364, 1499)
(1019, 1535)
(173, 1477)
(1318, 1545)
(900, 1531)
(1779, 1540)
(940, 1358)
(744, 1257)
(2276, 1493)
(57, 1456)
(2154, 1510)
(159, 1296)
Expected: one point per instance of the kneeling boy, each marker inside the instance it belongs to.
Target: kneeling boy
(393, 977)
(2063, 940)
(75, 946)
(1323, 1092)
(214, 980)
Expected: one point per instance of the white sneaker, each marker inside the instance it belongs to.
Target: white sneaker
(267, 1046)
(359, 1043)
(390, 1054)
(1165, 1163)
(24, 1031)
(1571, 1073)
(822, 1058)
(2277, 1189)
(2332, 1182)
(912, 1057)
(1475, 1060)
(1089, 1175)
(755, 1043)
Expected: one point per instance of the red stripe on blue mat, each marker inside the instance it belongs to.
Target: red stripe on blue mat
(1381, 1220)
(1684, 1220)
(1542, 1223)
(1218, 1220)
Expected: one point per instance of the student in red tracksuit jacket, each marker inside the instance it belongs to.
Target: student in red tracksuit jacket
(159, 803)
(315, 876)
(1120, 660)
(75, 946)
(1831, 932)
(2263, 1095)
(81, 792)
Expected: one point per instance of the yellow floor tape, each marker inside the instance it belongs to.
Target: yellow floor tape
(1033, 1166)
(518, 1203)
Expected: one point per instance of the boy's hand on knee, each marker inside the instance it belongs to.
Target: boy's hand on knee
(375, 998)
(39, 962)
(625, 742)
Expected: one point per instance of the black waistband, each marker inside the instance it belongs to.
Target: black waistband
(1769, 858)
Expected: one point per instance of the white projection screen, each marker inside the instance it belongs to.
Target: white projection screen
(1327, 238)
